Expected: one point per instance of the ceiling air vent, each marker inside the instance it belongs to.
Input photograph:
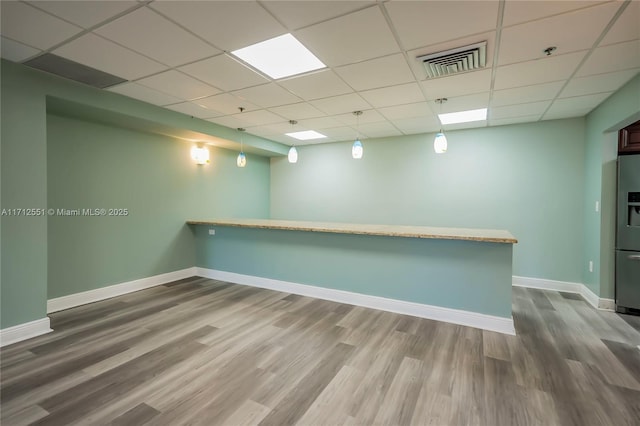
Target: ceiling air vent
(72, 70)
(456, 60)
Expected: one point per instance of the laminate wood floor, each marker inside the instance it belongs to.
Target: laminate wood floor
(199, 351)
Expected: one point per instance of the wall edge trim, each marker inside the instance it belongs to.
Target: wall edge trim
(454, 316)
(24, 331)
(90, 296)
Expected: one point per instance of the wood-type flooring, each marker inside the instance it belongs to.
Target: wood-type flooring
(204, 352)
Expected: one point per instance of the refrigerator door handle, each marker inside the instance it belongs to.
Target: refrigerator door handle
(634, 257)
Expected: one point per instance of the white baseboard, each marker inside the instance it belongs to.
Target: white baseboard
(25, 331)
(567, 287)
(455, 316)
(77, 299)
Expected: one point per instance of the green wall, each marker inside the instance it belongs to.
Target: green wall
(96, 166)
(24, 245)
(526, 178)
(618, 111)
(468, 275)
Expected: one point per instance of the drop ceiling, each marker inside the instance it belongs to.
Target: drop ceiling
(174, 54)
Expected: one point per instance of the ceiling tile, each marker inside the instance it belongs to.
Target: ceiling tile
(298, 14)
(379, 129)
(579, 102)
(85, 13)
(257, 118)
(615, 57)
(520, 110)
(609, 82)
(267, 95)
(136, 91)
(33, 27)
(180, 85)
(544, 70)
(468, 125)
(394, 95)
(367, 116)
(228, 25)
(107, 56)
(351, 38)
(514, 120)
(461, 103)
(224, 72)
(626, 28)
(458, 85)
(412, 126)
(319, 123)
(521, 11)
(189, 108)
(526, 94)
(16, 52)
(341, 133)
(229, 121)
(152, 35)
(419, 109)
(341, 104)
(527, 41)
(317, 85)
(421, 23)
(226, 103)
(381, 72)
(297, 111)
(560, 114)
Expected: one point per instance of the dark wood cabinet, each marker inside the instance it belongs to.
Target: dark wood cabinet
(629, 139)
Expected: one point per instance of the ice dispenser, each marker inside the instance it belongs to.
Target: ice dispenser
(633, 209)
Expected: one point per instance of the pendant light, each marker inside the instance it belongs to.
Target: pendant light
(357, 149)
(241, 161)
(440, 142)
(293, 152)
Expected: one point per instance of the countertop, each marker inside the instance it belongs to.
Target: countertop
(469, 234)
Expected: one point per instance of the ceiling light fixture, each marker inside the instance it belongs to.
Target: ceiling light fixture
(241, 161)
(293, 152)
(279, 57)
(306, 135)
(357, 149)
(463, 116)
(440, 142)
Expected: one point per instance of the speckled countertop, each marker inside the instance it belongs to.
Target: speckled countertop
(470, 234)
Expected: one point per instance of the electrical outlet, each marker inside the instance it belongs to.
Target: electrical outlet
(597, 206)
(212, 232)
(591, 266)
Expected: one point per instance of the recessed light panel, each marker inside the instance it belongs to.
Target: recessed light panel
(279, 57)
(306, 135)
(463, 116)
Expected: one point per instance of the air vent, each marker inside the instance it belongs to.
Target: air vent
(456, 60)
(72, 70)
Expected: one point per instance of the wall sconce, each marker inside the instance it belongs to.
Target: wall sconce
(200, 154)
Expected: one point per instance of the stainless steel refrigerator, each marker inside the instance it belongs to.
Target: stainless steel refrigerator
(628, 235)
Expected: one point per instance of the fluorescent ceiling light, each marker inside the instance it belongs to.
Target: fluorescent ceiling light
(463, 116)
(279, 57)
(306, 135)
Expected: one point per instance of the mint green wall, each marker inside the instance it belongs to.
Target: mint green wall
(24, 171)
(618, 111)
(525, 178)
(23, 289)
(467, 275)
(95, 166)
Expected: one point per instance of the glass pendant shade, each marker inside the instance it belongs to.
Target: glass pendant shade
(440, 143)
(293, 155)
(357, 150)
(241, 161)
